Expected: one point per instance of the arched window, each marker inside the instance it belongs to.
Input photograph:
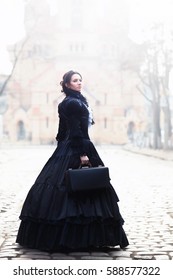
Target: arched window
(130, 130)
(105, 123)
(21, 132)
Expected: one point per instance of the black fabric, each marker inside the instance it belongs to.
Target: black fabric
(73, 123)
(76, 94)
(87, 179)
(53, 219)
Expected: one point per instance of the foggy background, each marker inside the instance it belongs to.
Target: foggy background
(123, 49)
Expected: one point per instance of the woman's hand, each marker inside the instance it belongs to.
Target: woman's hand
(84, 160)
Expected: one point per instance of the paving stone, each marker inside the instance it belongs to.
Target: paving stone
(99, 254)
(1, 241)
(23, 257)
(122, 258)
(7, 243)
(19, 259)
(79, 254)
(136, 249)
(161, 257)
(148, 225)
(143, 257)
(152, 253)
(58, 255)
(30, 251)
(165, 249)
(19, 251)
(10, 247)
(64, 258)
(6, 250)
(36, 256)
(96, 258)
(6, 254)
(120, 254)
(40, 253)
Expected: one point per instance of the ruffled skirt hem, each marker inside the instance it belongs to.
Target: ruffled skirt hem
(52, 218)
(68, 236)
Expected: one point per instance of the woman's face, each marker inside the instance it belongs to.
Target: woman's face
(75, 82)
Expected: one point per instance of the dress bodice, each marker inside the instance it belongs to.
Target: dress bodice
(73, 121)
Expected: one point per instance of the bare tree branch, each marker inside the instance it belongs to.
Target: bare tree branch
(142, 80)
(143, 94)
(17, 56)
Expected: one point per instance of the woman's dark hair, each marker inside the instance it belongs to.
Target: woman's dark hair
(69, 92)
(67, 78)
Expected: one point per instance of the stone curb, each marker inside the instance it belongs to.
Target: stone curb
(160, 154)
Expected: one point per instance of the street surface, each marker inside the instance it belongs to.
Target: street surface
(144, 186)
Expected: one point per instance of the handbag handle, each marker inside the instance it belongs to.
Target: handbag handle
(88, 165)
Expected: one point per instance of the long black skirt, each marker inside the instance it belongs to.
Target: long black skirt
(52, 219)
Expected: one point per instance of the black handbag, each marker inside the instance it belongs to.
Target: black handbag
(87, 179)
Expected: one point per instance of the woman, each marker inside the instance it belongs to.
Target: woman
(54, 219)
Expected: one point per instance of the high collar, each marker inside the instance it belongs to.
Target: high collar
(75, 94)
(72, 93)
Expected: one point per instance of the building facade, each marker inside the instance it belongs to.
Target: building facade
(73, 36)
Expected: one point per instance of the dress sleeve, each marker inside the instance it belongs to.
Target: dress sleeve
(74, 114)
(61, 130)
(62, 126)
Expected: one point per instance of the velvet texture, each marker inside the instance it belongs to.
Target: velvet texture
(52, 219)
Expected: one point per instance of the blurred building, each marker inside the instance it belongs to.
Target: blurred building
(87, 36)
(3, 106)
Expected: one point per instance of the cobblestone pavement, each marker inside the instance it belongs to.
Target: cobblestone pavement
(143, 184)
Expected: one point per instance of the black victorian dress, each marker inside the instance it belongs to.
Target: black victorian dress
(52, 219)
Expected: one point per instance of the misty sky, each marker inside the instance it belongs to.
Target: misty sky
(143, 12)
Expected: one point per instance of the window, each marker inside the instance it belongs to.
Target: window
(105, 123)
(21, 132)
(77, 47)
